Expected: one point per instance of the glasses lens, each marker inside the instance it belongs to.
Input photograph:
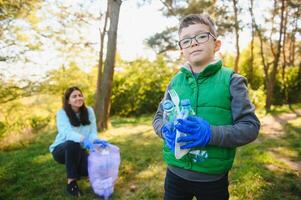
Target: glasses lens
(185, 43)
(203, 37)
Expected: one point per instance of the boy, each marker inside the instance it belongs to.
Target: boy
(224, 119)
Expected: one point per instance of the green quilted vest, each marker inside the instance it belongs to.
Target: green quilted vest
(209, 95)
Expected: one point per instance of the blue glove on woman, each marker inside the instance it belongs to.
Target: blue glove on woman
(169, 135)
(87, 144)
(100, 142)
(197, 131)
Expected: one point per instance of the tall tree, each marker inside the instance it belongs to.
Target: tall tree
(102, 34)
(271, 68)
(295, 7)
(275, 63)
(236, 29)
(102, 105)
(251, 68)
(276, 46)
(284, 58)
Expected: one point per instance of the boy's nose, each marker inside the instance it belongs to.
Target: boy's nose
(194, 43)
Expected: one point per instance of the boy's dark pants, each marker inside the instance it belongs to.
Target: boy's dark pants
(74, 157)
(177, 188)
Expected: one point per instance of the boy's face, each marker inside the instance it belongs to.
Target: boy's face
(199, 54)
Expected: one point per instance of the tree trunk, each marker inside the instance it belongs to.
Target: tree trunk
(284, 62)
(293, 38)
(299, 75)
(108, 73)
(250, 69)
(100, 64)
(265, 64)
(271, 83)
(236, 27)
(298, 85)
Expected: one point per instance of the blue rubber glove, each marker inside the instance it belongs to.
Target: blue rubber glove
(197, 130)
(169, 135)
(100, 142)
(87, 144)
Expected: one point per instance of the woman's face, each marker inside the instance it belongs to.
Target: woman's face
(76, 100)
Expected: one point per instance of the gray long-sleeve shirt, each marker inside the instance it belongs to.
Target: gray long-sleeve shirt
(244, 129)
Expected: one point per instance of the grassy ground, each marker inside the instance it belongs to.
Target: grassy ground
(263, 170)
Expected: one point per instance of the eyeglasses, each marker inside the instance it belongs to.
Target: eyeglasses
(199, 38)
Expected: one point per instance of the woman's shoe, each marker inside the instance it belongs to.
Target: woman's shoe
(73, 189)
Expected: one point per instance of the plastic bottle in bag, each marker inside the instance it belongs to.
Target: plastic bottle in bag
(103, 166)
(186, 111)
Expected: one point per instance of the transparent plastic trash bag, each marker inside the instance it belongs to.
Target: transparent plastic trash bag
(103, 167)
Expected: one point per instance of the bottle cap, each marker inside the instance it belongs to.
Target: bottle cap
(185, 102)
(168, 105)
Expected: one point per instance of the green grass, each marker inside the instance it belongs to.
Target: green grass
(29, 172)
(260, 173)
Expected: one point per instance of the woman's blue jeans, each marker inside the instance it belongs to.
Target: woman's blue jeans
(74, 157)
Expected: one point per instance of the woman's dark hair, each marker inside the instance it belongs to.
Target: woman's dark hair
(83, 111)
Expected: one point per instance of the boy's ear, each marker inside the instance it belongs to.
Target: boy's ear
(218, 45)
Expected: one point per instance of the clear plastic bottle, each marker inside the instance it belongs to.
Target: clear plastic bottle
(169, 113)
(186, 111)
(199, 155)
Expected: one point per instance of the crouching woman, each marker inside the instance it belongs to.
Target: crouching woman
(77, 132)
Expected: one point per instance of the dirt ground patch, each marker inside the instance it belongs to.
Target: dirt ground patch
(272, 127)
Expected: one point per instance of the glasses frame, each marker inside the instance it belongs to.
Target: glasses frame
(194, 37)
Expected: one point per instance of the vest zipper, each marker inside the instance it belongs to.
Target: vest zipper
(197, 97)
(197, 91)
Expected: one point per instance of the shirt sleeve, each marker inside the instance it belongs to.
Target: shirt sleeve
(93, 129)
(64, 127)
(245, 127)
(158, 118)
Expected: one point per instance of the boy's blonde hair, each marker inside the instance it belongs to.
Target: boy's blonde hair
(198, 19)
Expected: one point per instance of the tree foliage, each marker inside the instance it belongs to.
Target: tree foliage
(57, 81)
(16, 9)
(11, 90)
(10, 36)
(140, 86)
(163, 41)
